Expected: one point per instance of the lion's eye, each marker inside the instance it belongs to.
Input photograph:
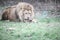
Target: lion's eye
(20, 8)
(25, 13)
(29, 13)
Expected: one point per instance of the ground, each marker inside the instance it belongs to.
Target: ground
(45, 29)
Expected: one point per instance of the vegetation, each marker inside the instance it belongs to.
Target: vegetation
(44, 29)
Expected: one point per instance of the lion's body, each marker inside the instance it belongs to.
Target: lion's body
(9, 14)
(21, 12)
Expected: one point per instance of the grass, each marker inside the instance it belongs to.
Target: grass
(45, 29)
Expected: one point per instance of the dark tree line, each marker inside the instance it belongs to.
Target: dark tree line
(2, 1)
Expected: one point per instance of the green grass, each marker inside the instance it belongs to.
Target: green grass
(45, 29)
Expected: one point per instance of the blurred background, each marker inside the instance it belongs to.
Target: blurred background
(47, 13)
(43, 8)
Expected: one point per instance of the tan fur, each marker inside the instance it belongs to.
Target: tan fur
(9, 14)
(25, 11)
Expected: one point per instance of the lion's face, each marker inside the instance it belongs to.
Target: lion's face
(25, 12)
(27, 15)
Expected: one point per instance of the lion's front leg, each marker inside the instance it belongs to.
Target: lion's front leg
(20, 16)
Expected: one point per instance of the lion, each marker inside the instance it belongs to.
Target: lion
(9, 14)
(25, 12)
(22, 12)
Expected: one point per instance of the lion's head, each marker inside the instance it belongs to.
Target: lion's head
(25, 11)
(27, 16)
